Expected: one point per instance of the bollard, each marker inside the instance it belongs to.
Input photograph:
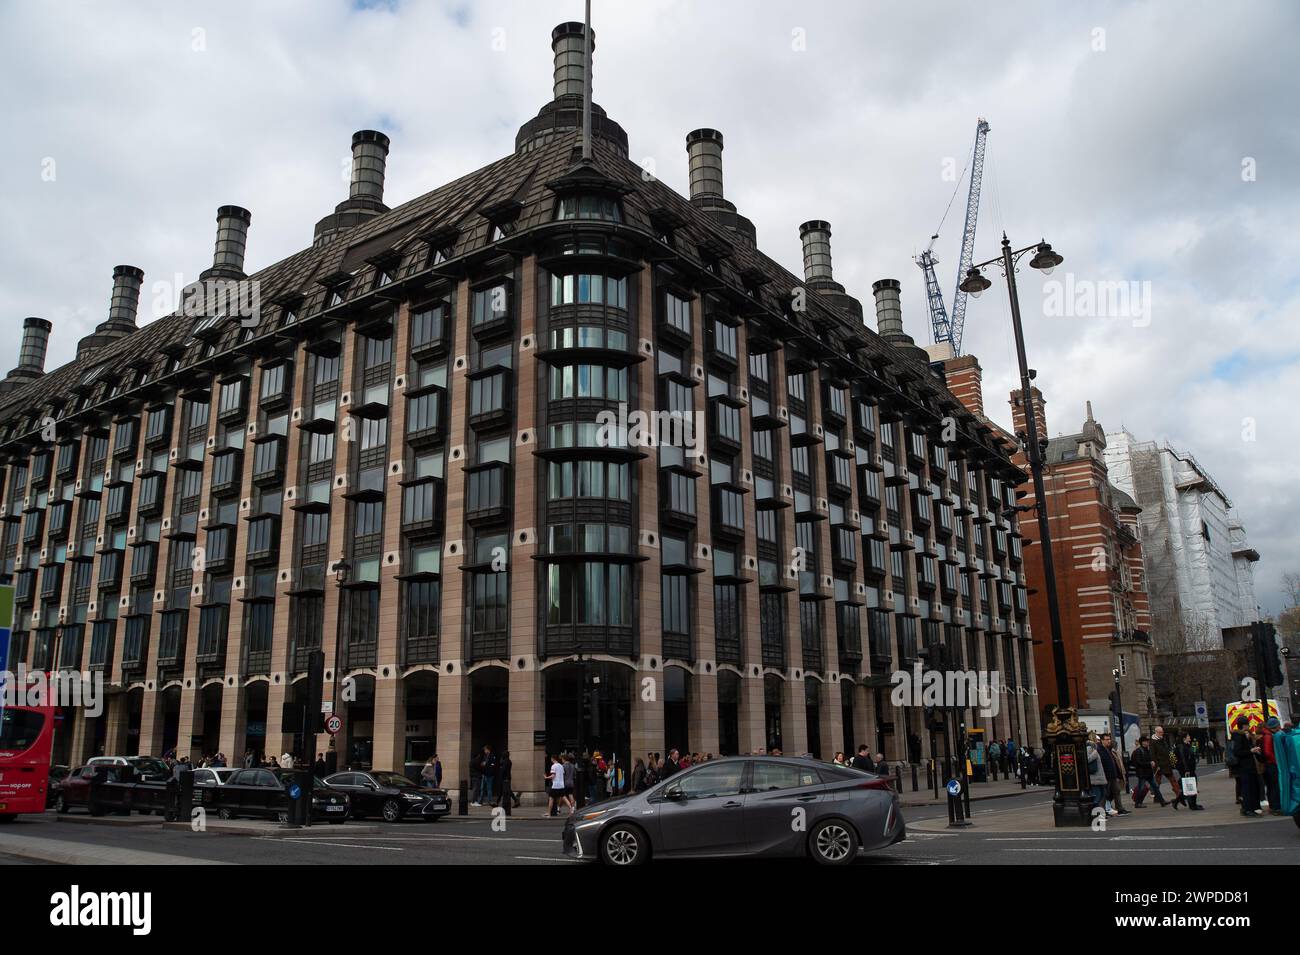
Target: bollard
(929, 775)
(898, 775)
(463, 795)
(915, 782)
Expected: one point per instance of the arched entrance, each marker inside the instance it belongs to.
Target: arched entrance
(677, 687)
(589, 707)
(489, 702)
(254, 722)
(812, 703)
(728, 713)
(421, 693)
(210, 715)
(773, 690)
(169, 711)
(847, 699)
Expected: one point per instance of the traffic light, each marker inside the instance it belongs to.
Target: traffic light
(1270, 662)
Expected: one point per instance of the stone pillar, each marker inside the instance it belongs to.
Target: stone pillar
(191, 719)
(115, 717)
(453, 730)
(832, 719)
(233, 739)
(390, 721)
(149, 742)
(794, 718)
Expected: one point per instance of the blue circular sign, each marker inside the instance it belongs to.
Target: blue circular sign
(295, 791)
(954, 787)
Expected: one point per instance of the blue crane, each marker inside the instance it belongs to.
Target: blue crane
(943, 328)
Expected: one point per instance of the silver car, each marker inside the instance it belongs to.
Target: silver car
(743, 806)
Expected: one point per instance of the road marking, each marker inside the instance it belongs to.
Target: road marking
(1172, 849)
(1090, 836)
(338, 845)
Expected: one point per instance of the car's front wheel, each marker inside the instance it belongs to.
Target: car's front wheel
(833, 842)
(624, 845)
(392, 811)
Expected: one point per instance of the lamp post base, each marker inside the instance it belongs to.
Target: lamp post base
(1072, 812)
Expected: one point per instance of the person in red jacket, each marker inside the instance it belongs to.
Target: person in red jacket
(1270, 765)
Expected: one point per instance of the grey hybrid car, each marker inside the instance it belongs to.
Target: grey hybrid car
(743, 806)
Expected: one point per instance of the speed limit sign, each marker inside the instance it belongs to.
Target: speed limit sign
(333, 723)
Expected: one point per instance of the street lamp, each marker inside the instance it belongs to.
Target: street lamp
(1069, 805)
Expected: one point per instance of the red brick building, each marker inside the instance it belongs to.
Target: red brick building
(1105, 615)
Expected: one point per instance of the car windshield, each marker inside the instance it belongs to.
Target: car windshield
(396, 780)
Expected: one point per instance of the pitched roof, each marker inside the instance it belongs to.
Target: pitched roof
(518, 184)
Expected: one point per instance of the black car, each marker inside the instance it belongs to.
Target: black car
(265, 793)
(390, 795)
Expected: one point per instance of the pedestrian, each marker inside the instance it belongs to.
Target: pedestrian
(1185, 760)
(319, 768)
(1031, 765)
(1012, 754)
(487, 762)
(1096, 774)
(863, 761)
(596, 782)
(1163, 758)
(639, 775)
(1241, 761)
(554, 787)
(672, 763)
(882, 765)
(1144, 768)
(508, 798)
(570, 782)
(431, 773)
(651, 769)
(1113, 770)
(1270, 765)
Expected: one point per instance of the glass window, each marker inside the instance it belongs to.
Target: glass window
(707, 781)
(770, 776)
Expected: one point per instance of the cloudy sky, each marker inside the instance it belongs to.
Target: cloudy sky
(1154, 144)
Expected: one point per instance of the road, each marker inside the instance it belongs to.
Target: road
(1014, 830)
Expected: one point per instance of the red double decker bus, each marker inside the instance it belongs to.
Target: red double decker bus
(26, 738)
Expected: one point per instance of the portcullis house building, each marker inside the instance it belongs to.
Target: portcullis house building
(400, 459)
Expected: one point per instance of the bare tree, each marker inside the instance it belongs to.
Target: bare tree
(1191, 665)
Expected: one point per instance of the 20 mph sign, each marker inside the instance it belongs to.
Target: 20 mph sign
(333, 724)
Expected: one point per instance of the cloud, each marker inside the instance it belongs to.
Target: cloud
(1124, 133)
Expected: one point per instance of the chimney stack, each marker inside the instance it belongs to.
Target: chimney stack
(36, 338)
(122, 307)
(232, 239)
(889, 312)
(816, 237)
(31, 355)
(369, 156)
(704, 155)
(570, 68)
(365, 191)
(817, 272)
(704, 152)
(1018, 420)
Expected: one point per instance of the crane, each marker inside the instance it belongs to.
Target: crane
(947, 329)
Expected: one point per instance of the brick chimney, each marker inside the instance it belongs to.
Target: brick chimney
(965, 379)
(1018, 412)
